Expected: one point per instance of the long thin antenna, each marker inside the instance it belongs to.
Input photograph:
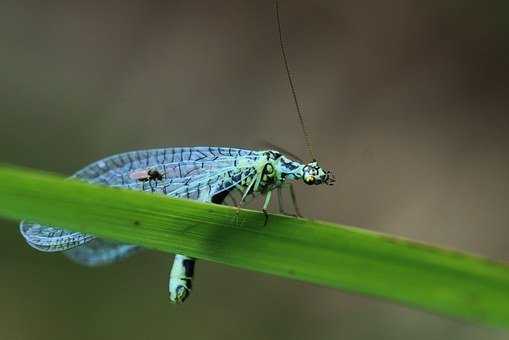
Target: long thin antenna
(290, 80)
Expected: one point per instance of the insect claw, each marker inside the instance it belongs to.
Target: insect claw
(266, 217)
(236, 218)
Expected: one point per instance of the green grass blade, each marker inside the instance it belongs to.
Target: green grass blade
(439, 280)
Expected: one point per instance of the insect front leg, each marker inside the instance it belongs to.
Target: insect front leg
(233, 200)
(266, 205)
(294, 201)
(280, 201)
(244, 195)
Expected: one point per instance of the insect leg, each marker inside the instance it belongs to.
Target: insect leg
(294, 201)
(280, 201)
(234, 201)
(266, 205)
(246, 192)
(248, 189)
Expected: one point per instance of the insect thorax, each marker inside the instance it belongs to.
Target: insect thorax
(272, 170)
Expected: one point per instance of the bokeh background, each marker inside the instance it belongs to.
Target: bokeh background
(406, 100)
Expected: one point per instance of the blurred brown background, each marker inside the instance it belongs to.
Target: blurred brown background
(406, 100)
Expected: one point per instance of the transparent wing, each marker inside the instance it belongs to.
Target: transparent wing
(176, 165)
(194, 173)
(53, 239)
(100, 252)
(206, 186)
(47, 238)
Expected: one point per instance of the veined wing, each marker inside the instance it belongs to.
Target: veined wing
(187, 172)
(100, 252)
(50, 239)
(176, 165)
(174, 175)
(115, 170)
(213, 183)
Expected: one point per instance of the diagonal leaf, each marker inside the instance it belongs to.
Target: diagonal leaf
(439, 280)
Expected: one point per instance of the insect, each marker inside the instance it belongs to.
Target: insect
(146, 175)
(207, 174)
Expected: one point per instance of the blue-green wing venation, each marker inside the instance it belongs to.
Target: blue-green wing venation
(50, 239)
(196, 173)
